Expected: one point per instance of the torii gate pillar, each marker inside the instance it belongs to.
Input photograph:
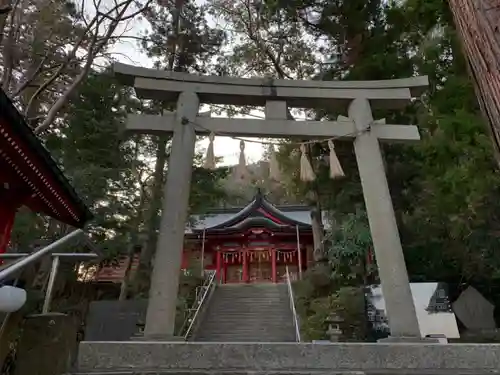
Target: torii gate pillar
(383, 227)
(160, 316)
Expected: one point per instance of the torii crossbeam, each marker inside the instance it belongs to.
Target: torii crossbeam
(355, 98)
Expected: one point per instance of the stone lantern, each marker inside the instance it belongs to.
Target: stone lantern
(334, 330)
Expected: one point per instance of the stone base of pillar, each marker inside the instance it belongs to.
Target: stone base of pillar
(159, 338)
(412, 340)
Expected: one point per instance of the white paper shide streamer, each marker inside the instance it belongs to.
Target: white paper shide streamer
(336, 170)
(241, 168)
(274, 167)
(306, 171)
(210, 157)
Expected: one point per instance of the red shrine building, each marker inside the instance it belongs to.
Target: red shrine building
(253, 244)
(30, 177)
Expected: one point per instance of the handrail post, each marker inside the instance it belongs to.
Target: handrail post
(292, 306)
(50, 285)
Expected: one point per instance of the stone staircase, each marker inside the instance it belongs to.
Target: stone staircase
(248, 329)
(247, 313)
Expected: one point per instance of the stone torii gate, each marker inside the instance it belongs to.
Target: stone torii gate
(356, 98)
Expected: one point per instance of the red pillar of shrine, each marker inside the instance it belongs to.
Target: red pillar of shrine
(245, 266)
(273, 265)
(10, 202)
(6, 224)
(218, 266)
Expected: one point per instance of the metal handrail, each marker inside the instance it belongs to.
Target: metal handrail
(73, 256)
(21, 263)
(56, 258)
(292, 306)
(191, 319)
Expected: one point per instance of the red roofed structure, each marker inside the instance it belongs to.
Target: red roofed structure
(30, 177)
(251, 244)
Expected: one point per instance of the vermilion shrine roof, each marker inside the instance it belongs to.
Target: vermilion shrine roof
(26, 167)
(258, 213)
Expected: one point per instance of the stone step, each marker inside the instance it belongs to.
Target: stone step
(256, 299)
(252, 290)
(238, 336)
(287, 358)
(332, 372)
(265, 300)
(229, 372)
(248, 340)
(243, 327)
(247, 325)
(282, 314)
(256, 293)
(235, 316)
(247, 332)
(246, 328)
(277, 307)
(235, 336)
(229, 339)
(251, 309)
(250, 301)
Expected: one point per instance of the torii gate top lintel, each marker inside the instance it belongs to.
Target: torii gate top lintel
(164, 85)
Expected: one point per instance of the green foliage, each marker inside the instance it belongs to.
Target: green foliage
(335, 287)
(195, 45)
(347, 247)
(315, 304)
(445, 189)
(207, 189)
(189, 281)
(110, 170)
(98, 161)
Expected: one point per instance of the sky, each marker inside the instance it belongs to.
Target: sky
(128, 52)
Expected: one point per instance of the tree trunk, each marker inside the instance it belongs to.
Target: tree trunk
(124, 288)
(141, 282)
(5, 9)
(478, 31)
(317, 226)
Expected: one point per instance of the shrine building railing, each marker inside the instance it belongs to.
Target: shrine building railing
(292, 306)
(10, 271)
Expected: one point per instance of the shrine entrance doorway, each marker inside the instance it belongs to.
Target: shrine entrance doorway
(264, 264)
(260, 266)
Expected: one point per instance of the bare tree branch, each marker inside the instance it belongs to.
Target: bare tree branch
(5, 9)
(35, 73)
(9, 46)
(95, 47)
